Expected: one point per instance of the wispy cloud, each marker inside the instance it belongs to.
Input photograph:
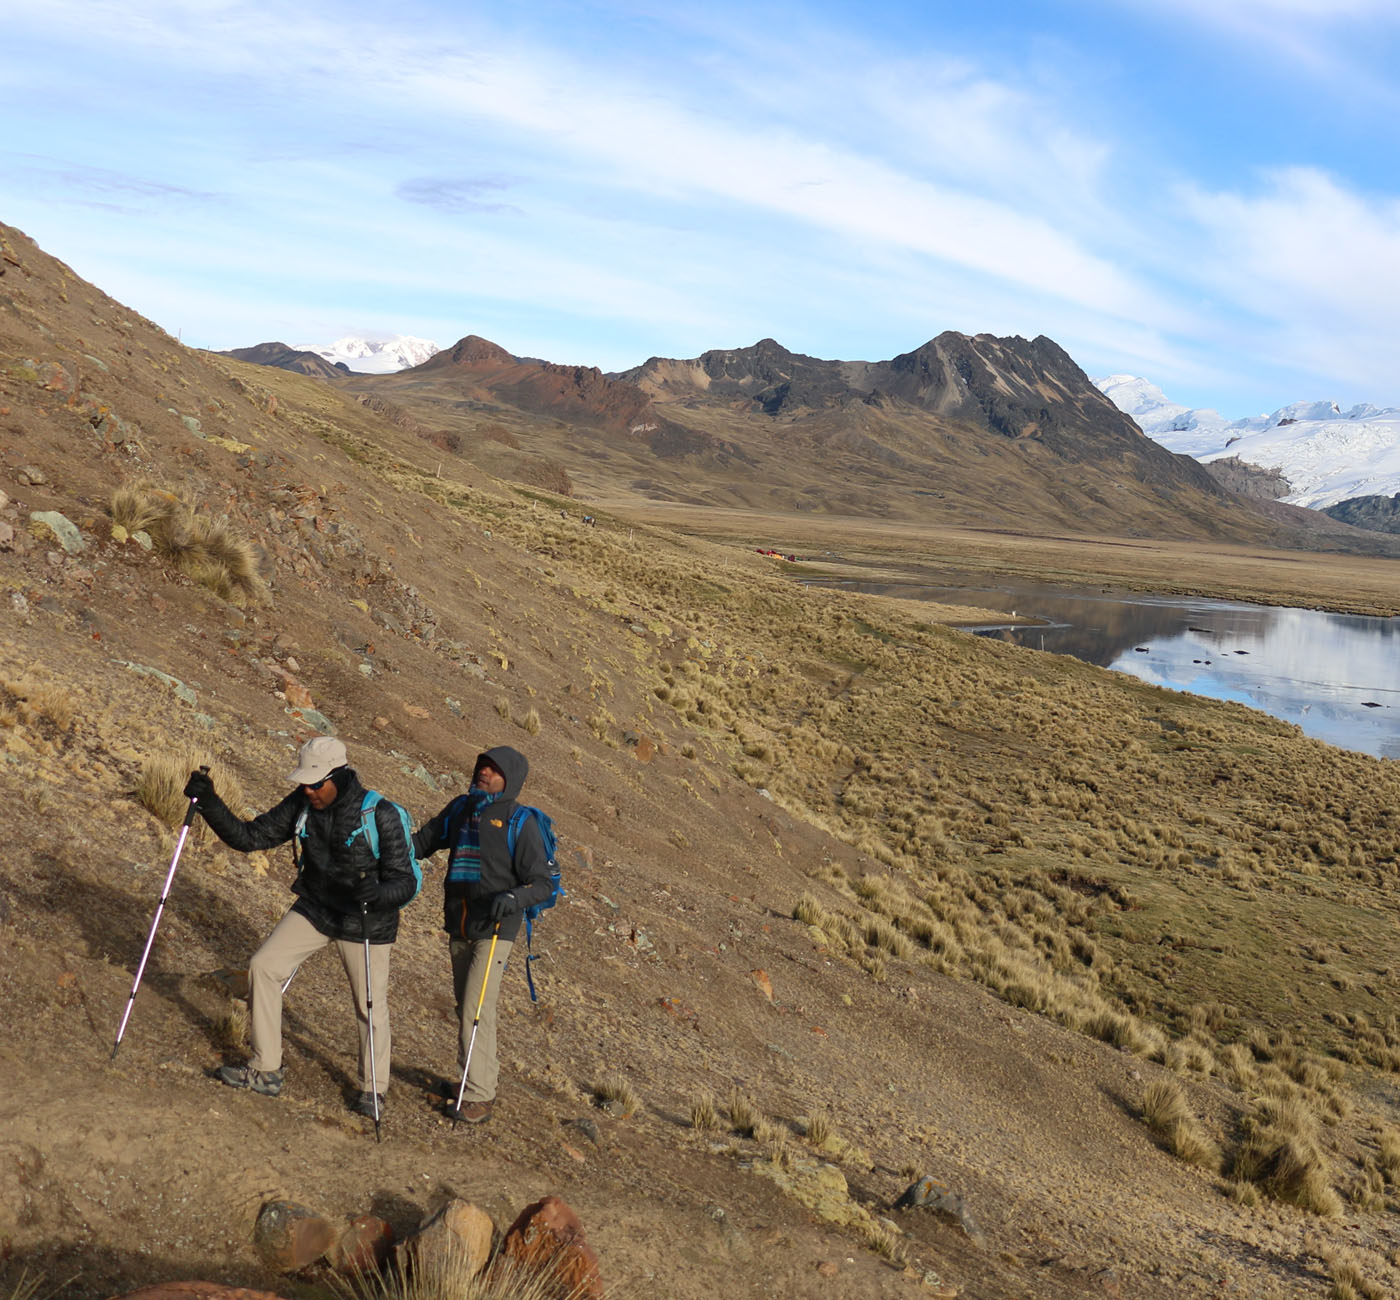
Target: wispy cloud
(700, 181)
(456, 196)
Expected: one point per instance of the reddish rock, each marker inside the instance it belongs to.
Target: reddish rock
(549, 1236)
(645, 749)
(197, 1291)
(765, 985)
(298, 696)
(363, 1246)
(289, 1236)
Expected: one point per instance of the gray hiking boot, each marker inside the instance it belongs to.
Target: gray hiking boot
(268, 1083)
(364, 1104)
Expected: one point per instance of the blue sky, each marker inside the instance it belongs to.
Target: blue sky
(1202, 192)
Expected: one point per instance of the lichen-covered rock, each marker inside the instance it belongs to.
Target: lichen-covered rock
(63, 528)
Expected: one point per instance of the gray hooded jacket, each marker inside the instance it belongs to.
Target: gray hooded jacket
(467, 902)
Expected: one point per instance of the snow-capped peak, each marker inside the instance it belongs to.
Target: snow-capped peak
(1325, 455)
(376, 356)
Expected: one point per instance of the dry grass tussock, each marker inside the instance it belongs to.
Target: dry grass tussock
(704, 1114)
(1349, 1280)
(616, 1094)
(31, 698)
(1165, 1112)
(1281, 1153)
(449, 1275)
(162, 782)
(202, 547)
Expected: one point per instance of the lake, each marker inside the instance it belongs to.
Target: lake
(1336, 675)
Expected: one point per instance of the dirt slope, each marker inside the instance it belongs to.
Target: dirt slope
(427, 618)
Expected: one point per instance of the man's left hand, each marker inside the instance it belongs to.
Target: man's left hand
(366, 891)
(504, 905)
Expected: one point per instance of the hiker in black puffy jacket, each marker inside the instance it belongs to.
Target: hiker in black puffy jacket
(487, 889)
(345, 895)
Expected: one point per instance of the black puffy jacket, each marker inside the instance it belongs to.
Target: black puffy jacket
(465, 905)
(332, 857)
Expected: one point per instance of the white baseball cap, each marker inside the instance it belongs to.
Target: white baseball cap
(319, 757)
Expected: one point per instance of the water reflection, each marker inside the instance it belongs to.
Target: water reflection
(1335, 675)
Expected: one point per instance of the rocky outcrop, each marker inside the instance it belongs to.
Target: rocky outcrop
(1379, 514)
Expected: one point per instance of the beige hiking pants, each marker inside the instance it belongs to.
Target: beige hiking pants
(292, 941)
(469, 957)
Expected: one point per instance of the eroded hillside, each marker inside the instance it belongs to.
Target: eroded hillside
(971, 910)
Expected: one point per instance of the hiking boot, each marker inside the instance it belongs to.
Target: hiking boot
(473, 1112)
(364, 1104)
(269, 1082)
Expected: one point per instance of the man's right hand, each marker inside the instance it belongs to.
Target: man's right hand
(199, 787)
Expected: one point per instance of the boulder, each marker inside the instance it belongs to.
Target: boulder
(931, 1194)
(548, 1236)
(288, 1236)
(363, 1247)
(457, 1235)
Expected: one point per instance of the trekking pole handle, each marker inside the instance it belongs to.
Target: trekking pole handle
(190, 811)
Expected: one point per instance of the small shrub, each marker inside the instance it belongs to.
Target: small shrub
(531, 721)
(503, 707)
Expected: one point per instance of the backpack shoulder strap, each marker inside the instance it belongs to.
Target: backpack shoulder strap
(368, 826)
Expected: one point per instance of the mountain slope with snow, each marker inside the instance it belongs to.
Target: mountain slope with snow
(376, 356)
(1327, 455)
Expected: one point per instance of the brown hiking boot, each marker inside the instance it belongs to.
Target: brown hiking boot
(474, 1112)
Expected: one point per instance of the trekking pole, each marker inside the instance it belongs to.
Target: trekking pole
(160, 907)
(471, 1042)
(369, 1016)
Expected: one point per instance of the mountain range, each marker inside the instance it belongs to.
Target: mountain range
(972, 430)
(1319, 455)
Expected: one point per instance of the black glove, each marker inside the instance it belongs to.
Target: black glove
(366, 891)
(504, 905)
(199, 787)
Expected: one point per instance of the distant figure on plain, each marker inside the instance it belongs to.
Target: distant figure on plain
(346, 895)
(489, 884)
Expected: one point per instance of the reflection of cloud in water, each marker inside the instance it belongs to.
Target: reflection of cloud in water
(1313, 669)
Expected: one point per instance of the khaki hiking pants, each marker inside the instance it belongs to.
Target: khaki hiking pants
(468, 972)
(292, 941)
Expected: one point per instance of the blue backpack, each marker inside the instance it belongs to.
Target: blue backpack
(369, 828)
(522, 813)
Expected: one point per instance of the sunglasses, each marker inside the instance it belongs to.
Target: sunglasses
(316, 785)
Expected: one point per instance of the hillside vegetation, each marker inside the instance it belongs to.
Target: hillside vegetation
(854, 897)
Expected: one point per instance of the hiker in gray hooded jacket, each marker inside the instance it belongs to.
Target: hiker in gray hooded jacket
(484, 895)
(345, 896)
